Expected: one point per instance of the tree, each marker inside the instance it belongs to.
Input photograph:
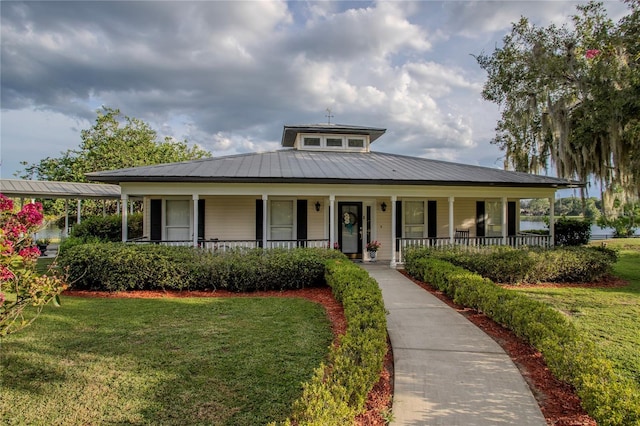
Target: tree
(570, 97)
(17, 268)
(115, 141)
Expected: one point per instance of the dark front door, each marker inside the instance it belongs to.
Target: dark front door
(350, 233)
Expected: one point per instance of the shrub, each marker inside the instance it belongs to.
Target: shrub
(338, 392)
(608, 397)
(108, 228)
(572, 232)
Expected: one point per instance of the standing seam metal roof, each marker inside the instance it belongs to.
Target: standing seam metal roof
(304, 166)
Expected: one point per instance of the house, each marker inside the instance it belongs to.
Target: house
(327, 188)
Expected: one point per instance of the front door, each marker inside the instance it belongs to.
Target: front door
(350, 234)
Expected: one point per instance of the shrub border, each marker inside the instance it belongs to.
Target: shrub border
(611, 399)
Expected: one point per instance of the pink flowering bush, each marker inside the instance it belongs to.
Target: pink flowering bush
(591, 53)
(18, 259)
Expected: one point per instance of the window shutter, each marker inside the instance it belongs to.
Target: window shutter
(432, 219)
(301, 227)
(259, 211)
(398, 223)
(201, 219)
(156, 220)
(511, 218)
(480, 231)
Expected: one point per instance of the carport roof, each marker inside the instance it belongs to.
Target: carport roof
(50, 189)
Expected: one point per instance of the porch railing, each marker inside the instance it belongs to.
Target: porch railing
(521, 240)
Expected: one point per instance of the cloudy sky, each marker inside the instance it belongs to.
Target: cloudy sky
(228, 75)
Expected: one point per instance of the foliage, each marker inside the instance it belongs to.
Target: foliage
(18, 277)
(570, 96)
(568, 206)
(165, 361)
(608, 397)
(120, 267)
(373, 245)
(572, 232)
(531, 265)
(625, 223)
(337, 392)
(107, 228)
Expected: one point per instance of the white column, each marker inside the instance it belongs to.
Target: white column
(552, 220)
(265, 217)
(504, 221)
(332, 221)
(124, 198)
(195, 219)
(104, 208)
(66, 217)
(451, 222)
(394, 198)
(78, 212)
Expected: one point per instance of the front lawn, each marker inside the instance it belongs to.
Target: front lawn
(223, 361)
(611, 316)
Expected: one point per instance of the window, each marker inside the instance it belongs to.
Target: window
(281, 214)
(311, 141)
(334, 142)
(356, 143)
(178, 220)
(494, 218)
(414, 219)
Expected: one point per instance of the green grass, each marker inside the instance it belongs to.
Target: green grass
(611, 316)
(228, 361)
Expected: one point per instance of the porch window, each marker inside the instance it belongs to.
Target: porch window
(178, 220)
(414, 219)
(494, 218)
(282, 224)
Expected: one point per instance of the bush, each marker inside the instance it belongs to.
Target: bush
(571, 232)
(338, 392)
(119, 267)
(108, 228)
(608, 397)
(509, 265)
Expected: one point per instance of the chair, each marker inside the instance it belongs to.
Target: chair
(462, 236)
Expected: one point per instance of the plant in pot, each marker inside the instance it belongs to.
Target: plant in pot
(372, 248)
(42, 244)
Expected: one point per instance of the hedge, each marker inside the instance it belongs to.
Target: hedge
(528, 264)
(611, 399)
(121, 267)
(337, 392)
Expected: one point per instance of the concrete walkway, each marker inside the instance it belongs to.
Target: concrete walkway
(447, 371)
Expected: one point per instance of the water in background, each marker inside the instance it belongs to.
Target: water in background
(597, 232)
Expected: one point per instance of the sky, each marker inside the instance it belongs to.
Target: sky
(228, 76)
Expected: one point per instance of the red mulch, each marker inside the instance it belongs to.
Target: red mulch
(380, 396)
(558, 401)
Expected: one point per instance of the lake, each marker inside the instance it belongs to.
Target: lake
(597, 233)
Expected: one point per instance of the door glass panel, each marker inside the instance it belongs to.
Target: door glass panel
(178, 213)
(350, 228)
(281, 220)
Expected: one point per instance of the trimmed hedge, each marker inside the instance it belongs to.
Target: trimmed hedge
(337, 392)
(108, 228)
(608, 397)
(571, 232)
(121, 267)
(528, 264)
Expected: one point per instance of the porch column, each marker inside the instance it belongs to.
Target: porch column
(79, 209)
(332, 221)
(124, 198)
(104, 208)
(394, 198)
(66, 217)
(451, 222)
(195, 197)
(504, 221)
(552, 221)
(265, 197)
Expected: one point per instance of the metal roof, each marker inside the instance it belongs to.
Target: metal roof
(302, 166)
(50, 189)
(290, 133)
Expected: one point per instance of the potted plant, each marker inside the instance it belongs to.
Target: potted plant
(42, 244)
(372, 248)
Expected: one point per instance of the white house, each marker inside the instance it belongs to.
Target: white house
(327, 188)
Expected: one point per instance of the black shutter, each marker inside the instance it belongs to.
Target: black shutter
(398, 223)
(511, 218)
(480, 229)
(201, 219)
(259, 212)
(156, 220)
(301, 222)
(432, 219)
